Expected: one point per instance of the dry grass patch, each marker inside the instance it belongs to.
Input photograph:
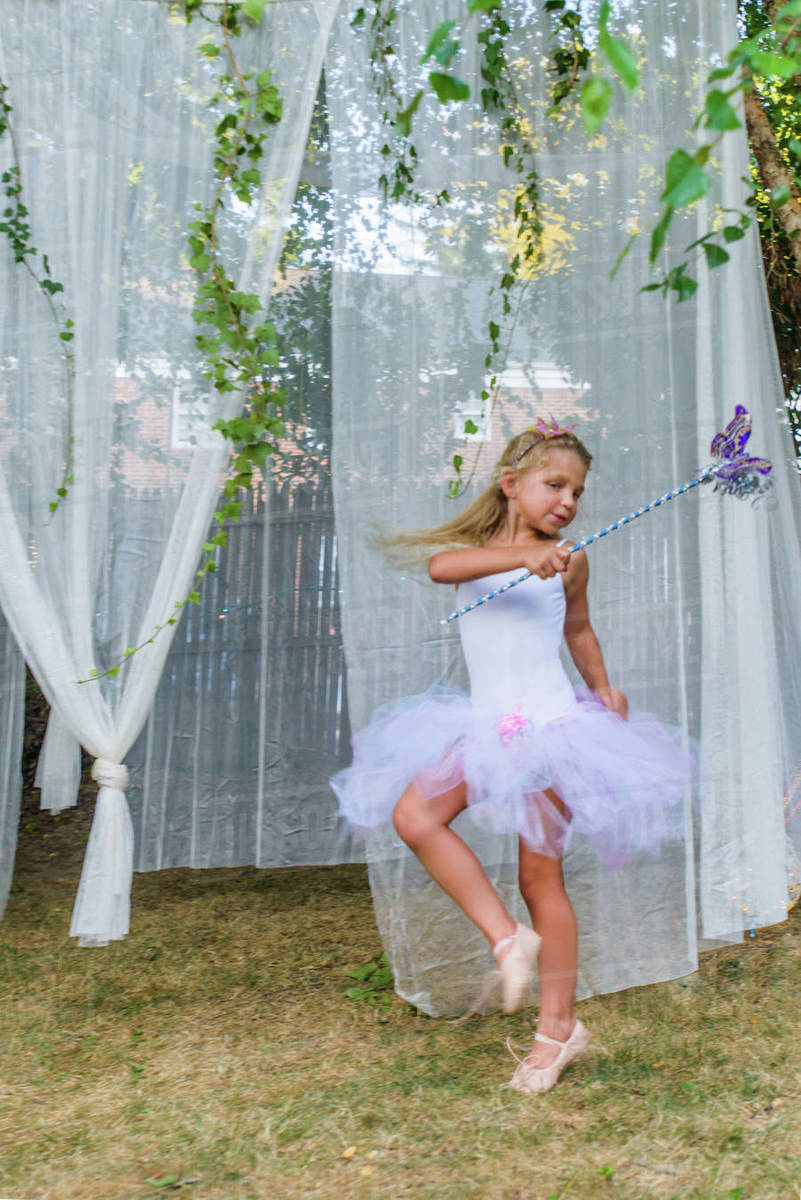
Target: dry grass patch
(213, 1055)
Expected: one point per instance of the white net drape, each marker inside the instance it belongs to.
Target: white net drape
(12, 713)
(694, 604)
(114, 132)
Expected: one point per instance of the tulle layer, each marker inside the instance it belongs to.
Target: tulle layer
(619, 783)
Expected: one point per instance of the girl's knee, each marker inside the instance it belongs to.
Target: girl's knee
(539, 876)
(410, 819)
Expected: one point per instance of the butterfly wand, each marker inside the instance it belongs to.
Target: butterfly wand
(732, 471)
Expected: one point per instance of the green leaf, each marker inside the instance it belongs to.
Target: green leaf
(209, 49)
(762, 62)
(793, 9)
(260, 453)
(622, 255)
(470, 426)
(719, 113)
(474, 6)
(596, 96)
(682, 284)
(448, 87)
(194, 597)
(358, 18)
(659, 234)
(254, 9)
(721, 73)
(403, 121)
(732, 233)
(440, 46)
(779, 196)
(716, 256)
(621, 59)
(685, 181)
(200, 262)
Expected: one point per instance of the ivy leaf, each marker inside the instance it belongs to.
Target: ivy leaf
(621, 57)
(716, 256)
(685, 180)
(209, 49)
(659, 234)
(254, 9)
(622, 255)
(762, 62)
(403, 121)
(732, 233)
(260, 453)
(448, 87)
(474, 6)
(596, 96)
(440, 45)
(721, 73)
(684, 285)
(779, 196)
(719, 113)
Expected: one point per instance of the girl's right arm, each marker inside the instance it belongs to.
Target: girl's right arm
(473, 562)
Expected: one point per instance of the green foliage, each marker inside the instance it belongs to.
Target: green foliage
(596, 96)
(16, 226)
(770, 49)
(235, 345)
(373, 983)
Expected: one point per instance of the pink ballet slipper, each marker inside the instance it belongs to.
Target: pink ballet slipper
(517, 965)
(531, 1079)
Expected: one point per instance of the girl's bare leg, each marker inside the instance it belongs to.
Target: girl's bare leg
(543, 888)
(424, 826)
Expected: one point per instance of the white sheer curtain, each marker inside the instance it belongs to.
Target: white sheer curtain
(111, 116)
(694, 605)
(12, 714)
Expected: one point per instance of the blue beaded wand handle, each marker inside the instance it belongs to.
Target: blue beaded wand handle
(732, 471)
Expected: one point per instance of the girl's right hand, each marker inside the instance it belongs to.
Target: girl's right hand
(546, 560)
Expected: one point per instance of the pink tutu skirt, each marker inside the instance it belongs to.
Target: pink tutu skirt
(620, 783)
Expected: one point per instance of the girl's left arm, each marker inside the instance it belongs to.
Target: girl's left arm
(585, 650)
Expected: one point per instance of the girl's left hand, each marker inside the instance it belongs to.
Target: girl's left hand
(615, 701)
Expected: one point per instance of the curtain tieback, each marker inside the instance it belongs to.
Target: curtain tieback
(110, 774)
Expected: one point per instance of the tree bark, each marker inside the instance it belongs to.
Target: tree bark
(774, 171)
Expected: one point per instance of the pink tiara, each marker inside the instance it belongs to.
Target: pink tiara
(541, 429)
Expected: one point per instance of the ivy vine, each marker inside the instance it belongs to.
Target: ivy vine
(568, 66)
(16, 226)
(235, 345)
(774, 51)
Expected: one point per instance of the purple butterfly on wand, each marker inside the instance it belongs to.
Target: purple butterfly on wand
(731, 470)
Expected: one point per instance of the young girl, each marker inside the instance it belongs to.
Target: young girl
(526, 752)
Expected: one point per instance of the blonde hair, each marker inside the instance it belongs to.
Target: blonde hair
(482, 519)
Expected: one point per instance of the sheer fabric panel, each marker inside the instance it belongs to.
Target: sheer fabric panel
(674, 598)
(12, 720)
(111, 115)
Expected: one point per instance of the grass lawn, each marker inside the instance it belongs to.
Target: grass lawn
(214, 1055)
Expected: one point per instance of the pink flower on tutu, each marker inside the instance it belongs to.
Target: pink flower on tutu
(511, 725)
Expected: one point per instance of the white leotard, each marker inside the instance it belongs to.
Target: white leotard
(511, 646)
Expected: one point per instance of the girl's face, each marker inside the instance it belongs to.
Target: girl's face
(546, 497)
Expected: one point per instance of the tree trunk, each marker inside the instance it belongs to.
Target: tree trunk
(773, 171)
